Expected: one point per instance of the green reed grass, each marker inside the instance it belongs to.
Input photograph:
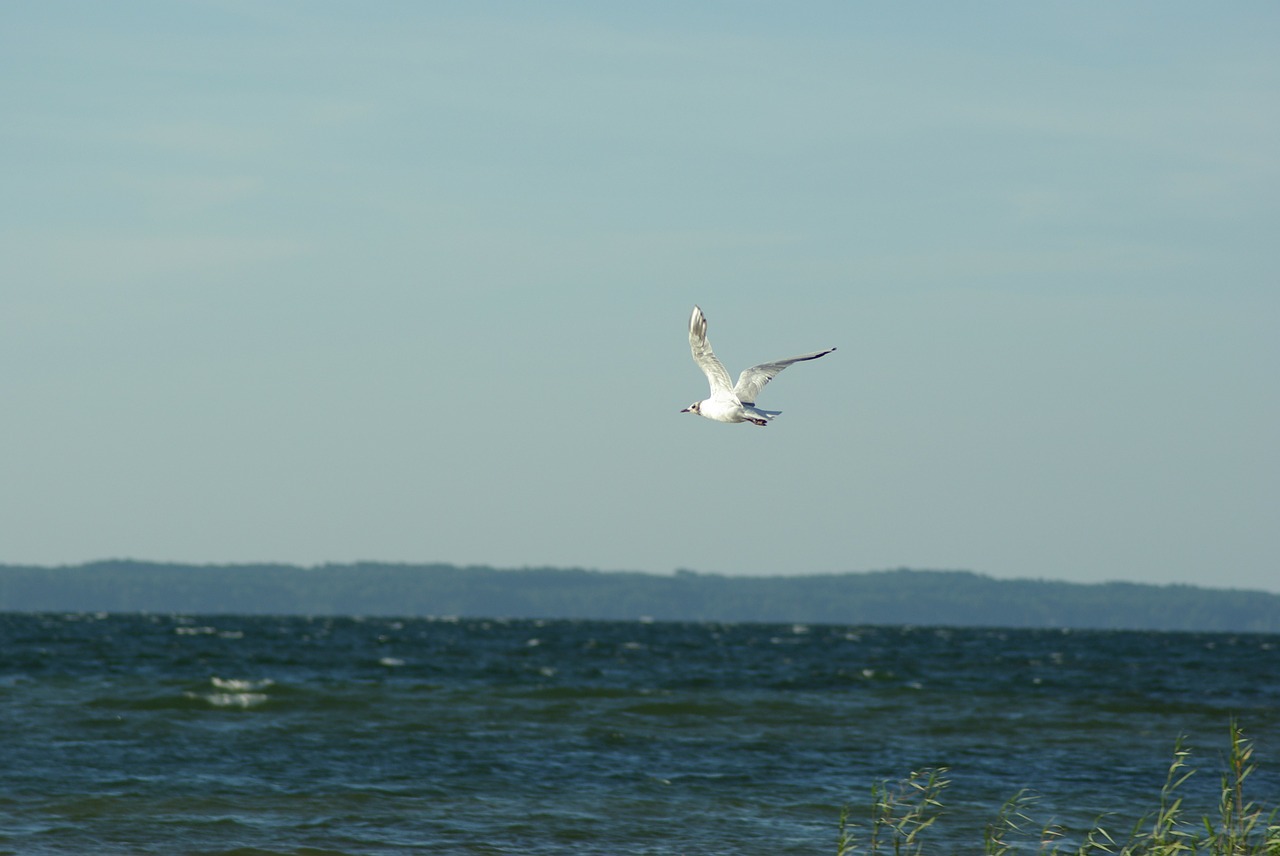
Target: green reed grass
(901, 812)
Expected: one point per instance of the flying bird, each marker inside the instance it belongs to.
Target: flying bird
(733, 402)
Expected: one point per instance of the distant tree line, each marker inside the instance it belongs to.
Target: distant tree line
(954, 598)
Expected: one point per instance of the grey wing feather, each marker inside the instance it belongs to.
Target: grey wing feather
(715, 371)
(752, 380)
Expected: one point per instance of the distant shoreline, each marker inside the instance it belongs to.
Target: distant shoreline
(893, 597)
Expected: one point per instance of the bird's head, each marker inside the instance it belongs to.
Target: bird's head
(696, 407)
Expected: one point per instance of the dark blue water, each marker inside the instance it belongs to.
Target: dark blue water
(252, 735)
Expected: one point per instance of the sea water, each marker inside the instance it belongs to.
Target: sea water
(128, 734)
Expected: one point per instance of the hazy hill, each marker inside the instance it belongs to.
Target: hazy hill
(956, 598)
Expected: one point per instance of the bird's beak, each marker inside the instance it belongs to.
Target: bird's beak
(686, 410)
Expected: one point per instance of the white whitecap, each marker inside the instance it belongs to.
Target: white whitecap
(240, 685)
(244, 700)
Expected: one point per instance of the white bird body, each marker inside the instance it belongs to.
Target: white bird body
(731, 402)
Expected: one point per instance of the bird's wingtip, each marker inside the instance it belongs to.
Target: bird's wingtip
(697, 322)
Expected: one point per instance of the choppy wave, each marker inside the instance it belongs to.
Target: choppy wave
(240, 700)
(235, 692)
(163, 734)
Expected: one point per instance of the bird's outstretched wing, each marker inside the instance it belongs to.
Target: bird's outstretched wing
(752, 380)
(715, 371)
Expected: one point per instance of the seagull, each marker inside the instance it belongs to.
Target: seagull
(733, 403)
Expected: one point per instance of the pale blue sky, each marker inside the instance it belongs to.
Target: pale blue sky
(310, 282)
